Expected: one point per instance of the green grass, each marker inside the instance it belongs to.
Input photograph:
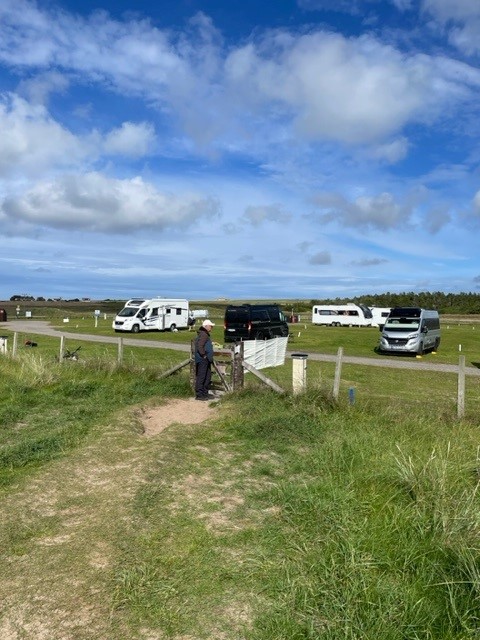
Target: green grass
(282, 517)
(307, 521)
(48, 408)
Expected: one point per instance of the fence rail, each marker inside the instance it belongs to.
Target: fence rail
(238, 365)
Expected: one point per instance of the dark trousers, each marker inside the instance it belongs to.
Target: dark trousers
(203, 376)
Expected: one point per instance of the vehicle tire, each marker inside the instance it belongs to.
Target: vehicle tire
(437, 344)
(173, 327)
(135, 328)
(260, 336)
(421, 350)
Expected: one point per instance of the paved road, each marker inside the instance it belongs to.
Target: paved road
(41, 327)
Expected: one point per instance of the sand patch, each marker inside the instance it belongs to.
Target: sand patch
(183, 411)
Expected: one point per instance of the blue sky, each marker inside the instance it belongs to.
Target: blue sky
(204, 149)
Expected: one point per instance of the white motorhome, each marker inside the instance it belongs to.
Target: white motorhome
(342, 315)
(152, 314)
(379, 315)
(410, 330)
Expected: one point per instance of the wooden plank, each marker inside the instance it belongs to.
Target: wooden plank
(173, 369)
(221, 376)
(262, 377)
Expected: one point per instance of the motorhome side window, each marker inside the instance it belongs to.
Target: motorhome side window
(431, 323)
(179, 311)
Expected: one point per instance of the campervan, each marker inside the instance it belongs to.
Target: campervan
(254, 322)
(379, 315)
(342, 315)
(410, 330)
(152, 314)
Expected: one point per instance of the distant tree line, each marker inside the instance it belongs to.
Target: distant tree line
(455, 303)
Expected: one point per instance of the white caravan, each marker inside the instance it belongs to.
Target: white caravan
(342, 315)
(154, 314)
(379, 315)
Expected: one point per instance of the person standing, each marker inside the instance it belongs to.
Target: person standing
(203, 361)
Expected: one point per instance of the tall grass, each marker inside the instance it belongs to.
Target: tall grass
(348, 526)
(286, 517)
(48, 408)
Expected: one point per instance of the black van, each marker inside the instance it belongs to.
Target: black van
(254, 322)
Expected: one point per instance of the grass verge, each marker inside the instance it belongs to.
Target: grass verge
(284, 517)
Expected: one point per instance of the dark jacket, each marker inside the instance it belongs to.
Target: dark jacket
(203, 346)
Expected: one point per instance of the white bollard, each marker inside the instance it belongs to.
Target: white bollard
(299, 372)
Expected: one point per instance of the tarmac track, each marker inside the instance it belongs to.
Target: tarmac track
(42, 327)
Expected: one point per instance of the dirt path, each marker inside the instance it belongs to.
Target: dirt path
(60, 529)
(189, 411)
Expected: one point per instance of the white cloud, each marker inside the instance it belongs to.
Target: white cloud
(357, 91)
(378, 212)
(33, 143)
(256, 215)
(39, 88)
(392, 151)
(95, 203)
(324, 85)
(322, 257)
(462, 17)
(445, 10)
(369, 262)
(31, 140)
(130, 139)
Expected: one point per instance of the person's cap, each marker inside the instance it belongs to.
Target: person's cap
(208, 323)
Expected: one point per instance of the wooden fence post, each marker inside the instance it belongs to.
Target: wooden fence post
(338, 371)
(15, 344)
(461, 387)
(193, 367)
(237, 366)
(120, 351)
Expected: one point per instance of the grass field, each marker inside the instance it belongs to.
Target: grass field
(281, 517)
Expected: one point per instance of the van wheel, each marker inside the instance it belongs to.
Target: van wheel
(260, 336)
(437, 344)
(421, 350)
(135, 328)
(173, 327)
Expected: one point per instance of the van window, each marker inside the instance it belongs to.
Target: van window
(260, 315)
(236, 315)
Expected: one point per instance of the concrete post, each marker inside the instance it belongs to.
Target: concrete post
(299, 372)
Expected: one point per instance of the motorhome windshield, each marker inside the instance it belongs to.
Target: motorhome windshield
(127, 312)
(402, 324)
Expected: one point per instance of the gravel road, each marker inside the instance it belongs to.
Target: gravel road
(42, 327)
